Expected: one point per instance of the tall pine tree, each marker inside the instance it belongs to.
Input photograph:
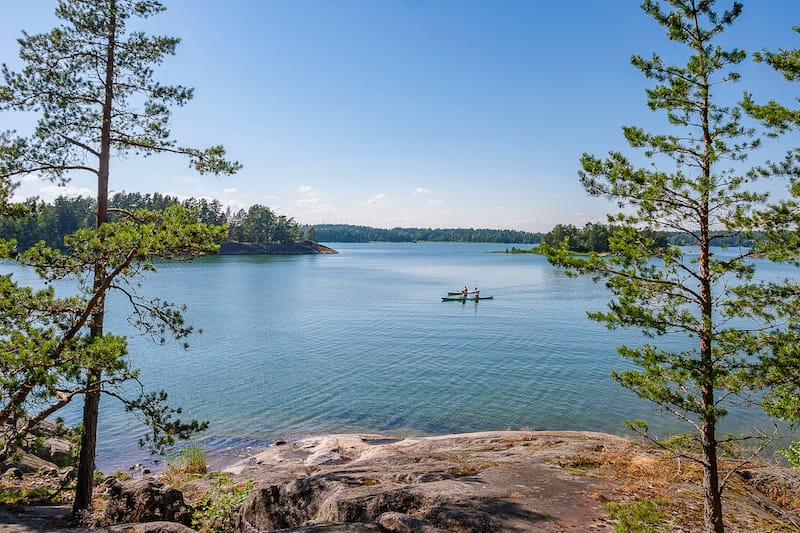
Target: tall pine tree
(694, 186)
(91, 82)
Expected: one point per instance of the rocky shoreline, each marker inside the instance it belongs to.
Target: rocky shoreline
(500, 481)
(487, 482)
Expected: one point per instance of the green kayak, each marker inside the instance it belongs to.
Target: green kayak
(462, 299)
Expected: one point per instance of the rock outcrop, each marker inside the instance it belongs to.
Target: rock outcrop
(487, 482)
(48, 452)
(506, 481)
(145, 500)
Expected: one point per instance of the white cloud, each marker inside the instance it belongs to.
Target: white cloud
(376, 198)
(310, 206)
(311, 200)
(311, 196)
(229, 190)
(69, 190)
(422, 190)
(31, 186)
(435, 202)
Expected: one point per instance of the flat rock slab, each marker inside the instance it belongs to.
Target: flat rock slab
(491, 481)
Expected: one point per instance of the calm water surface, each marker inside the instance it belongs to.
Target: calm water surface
(361, 341)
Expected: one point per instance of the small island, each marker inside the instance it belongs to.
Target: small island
(303, 247)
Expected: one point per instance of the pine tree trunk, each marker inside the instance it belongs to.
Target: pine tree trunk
(85, 483)
(84, 487)
(86, 465)
(712, 508)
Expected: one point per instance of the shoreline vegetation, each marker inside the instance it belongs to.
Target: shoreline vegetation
(536, 250)
(514, 250)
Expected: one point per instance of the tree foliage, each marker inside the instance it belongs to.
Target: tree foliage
(73, 72)
(778, 302)
(778, 117)
(45, 347)
(593, 237)
(743, 338)
(260, 225)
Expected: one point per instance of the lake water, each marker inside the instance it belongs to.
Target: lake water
(361, 341)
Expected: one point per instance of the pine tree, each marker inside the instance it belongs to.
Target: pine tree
(91, 82)
(667, 291)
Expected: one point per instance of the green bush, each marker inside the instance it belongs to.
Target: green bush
(643, 516)
(792, 453)
(216, 511)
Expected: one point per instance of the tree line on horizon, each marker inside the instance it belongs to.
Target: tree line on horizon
(354, 233)
(51, 222)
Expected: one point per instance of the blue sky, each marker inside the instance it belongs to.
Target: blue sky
(431, 113)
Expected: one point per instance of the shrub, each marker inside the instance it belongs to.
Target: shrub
(643, 516)
(216, 511)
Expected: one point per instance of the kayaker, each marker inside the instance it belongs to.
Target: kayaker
(477, 293)
(465, 292)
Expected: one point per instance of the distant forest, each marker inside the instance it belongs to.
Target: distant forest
(50, 222)
(348, 233)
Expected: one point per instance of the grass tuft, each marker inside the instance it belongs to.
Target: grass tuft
(190, 460)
